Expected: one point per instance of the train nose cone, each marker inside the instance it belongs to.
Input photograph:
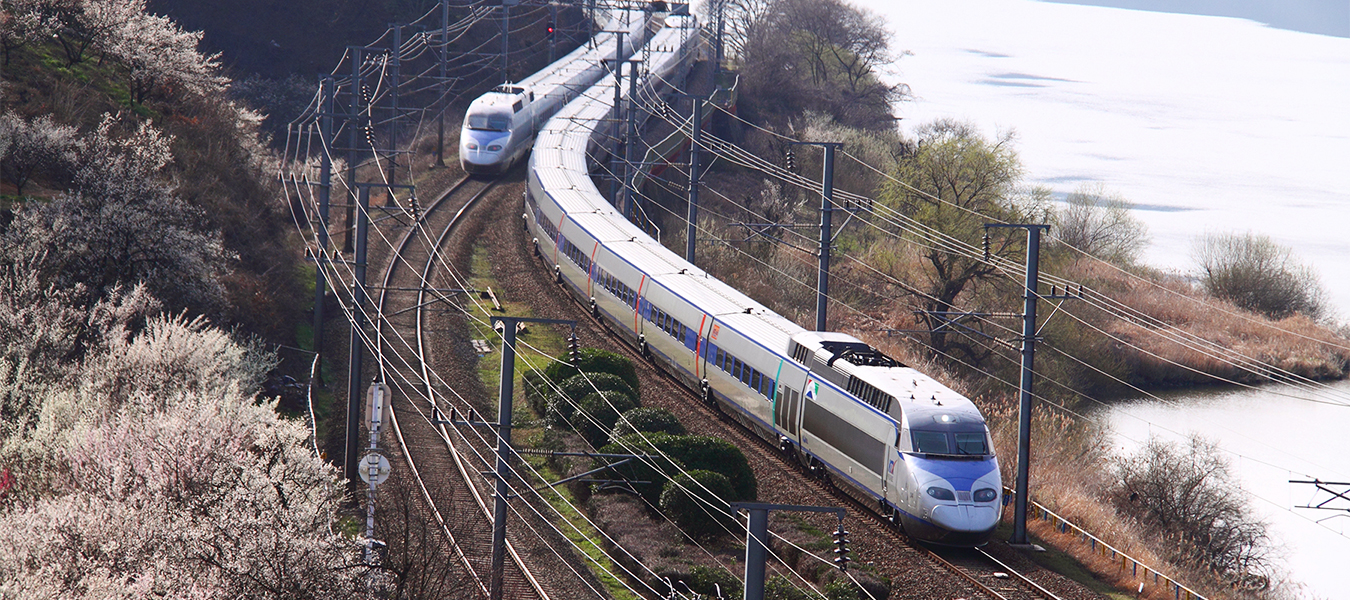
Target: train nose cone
(965, 517)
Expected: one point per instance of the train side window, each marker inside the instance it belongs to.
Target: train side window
(736, 368)
(754, 381)
(517, 106)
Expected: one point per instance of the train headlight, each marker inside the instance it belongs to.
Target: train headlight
(495, 148)
(985, 495)
(471, 145)
(941, 493)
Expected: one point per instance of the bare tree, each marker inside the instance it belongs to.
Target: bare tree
(822, 55)
(1258, 274)
(419, 558)
(1099, 223)
(1188, 493)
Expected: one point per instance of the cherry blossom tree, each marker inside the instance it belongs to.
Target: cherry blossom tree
(33, 146)
(177, 484)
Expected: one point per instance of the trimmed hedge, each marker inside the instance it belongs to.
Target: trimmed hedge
(603, 410)
(647, 420)
(560, 410)
(697, 502)
(692, 452)
(595, 360)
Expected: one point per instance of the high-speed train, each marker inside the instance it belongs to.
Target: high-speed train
(917, 450)
(500, 126)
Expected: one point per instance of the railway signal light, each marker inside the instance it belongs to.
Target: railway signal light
(573, 352)
(552, 33)
(791, 160)
(841, 558)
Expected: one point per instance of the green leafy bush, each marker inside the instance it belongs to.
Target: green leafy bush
(560, 409)
(697, 502)
(653, 471)
(647, 420)
(601, 411)
(595, 360)
(692, 452)
(709, 580)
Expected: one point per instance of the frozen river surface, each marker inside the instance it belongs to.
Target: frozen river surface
(1204, 123)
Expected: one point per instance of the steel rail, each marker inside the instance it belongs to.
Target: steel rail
(425, 379)
(1047, 594)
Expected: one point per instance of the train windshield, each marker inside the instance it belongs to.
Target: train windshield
(959, 443)
(489, 122)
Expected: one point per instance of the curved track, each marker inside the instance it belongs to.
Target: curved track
(432, 452)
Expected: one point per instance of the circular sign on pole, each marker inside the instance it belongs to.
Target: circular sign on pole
(374, 462)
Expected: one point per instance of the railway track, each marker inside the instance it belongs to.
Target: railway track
(445, 465)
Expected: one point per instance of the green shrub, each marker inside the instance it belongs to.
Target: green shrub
(697, 502)
(779, 588)
(647, 420)
(708, 580)
(595, 360)
(713, 454)
(653, 471)
(560, 409)
(602, 411)
(537, 391)
(688, 452)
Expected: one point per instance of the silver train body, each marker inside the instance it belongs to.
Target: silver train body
(500, 126)
(889, 434)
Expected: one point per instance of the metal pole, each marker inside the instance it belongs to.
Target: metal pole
(504, 395)
(721, 28)
(356, 343)
(353, 124)
(327, 92)
(1019, 535)
(826, 208)
(506, 37)
(376, 409)
(629, 144)
(614, 134)
(393, 117)
(691, 234)
(590, 23)
(755, 554)
(445, 50)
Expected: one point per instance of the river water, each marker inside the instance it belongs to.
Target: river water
(1271, 435)
(1231, 117)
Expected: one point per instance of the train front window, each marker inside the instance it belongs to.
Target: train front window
(971, 443)
(930, 442)
(482, 122)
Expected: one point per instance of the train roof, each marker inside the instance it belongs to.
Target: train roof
(763, 331)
